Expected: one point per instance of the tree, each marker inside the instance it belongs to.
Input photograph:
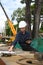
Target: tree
(19, 14)
(28, 14)
(36, 18)
(25, 14)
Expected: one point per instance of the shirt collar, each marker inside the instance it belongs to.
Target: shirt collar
(22, 33)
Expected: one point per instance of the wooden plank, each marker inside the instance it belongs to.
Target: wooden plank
(21, 60)
(11, 60)
(29, 61)
(2, 62)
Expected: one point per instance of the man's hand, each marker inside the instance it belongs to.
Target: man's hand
(28, 41)
(10, 48)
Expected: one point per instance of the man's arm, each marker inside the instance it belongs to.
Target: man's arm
(28, 39)
(14, 43)
(10, 48)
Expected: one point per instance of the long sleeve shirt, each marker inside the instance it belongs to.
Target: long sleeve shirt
(21, 39)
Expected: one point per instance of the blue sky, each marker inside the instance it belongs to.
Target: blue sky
(10, 6)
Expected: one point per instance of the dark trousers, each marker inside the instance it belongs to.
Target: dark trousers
(29, 48)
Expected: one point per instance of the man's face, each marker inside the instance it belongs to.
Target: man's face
(22, 29)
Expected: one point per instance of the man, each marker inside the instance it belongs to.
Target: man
(23, 38)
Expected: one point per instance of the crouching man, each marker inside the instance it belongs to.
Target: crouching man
(23, 38)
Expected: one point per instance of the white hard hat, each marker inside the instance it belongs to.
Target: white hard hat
(22, 24)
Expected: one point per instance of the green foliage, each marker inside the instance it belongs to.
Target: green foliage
(32, 8)
(41, 11)
(22, 1)
(41, 29)
(19, 14)
(8, 30)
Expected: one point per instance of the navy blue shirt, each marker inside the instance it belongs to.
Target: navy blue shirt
(21, 39)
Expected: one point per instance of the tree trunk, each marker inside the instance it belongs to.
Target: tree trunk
(28, 15)
(36, 18)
